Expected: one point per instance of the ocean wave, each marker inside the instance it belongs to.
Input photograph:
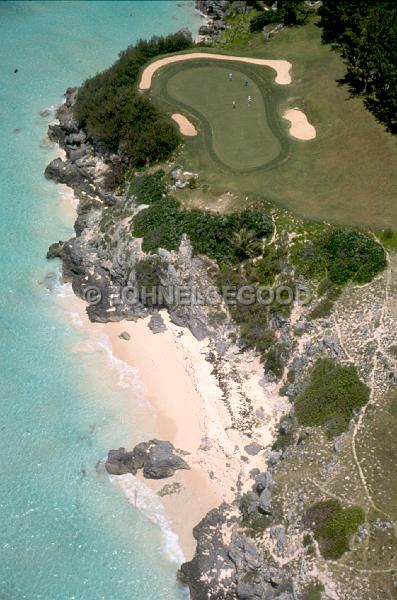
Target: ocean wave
(128, 376)
(148, 502)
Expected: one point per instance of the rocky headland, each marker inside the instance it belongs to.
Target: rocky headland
(259, 544)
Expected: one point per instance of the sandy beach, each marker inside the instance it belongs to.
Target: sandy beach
(186, 405)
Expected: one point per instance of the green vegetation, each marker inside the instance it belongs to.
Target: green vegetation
(342, 255)
(330, 397)
(238, 19)
(148, 188)
(255, 522)
(112, 112)
(377, 452)
(333, 526)
(346, 175)
(365, 33)
(241, 137)
(388, 237)
(215, 235)
(289, 12)
(148, 272)
(314, 592)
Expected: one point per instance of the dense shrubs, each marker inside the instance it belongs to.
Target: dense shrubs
(112, 111)
(333, 526)
(289, 12)
(331, 396)
(343, 255)
(149, 188)
(212, 234)
(352, 256)
(263, 18)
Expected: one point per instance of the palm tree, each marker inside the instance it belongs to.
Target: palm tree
(247, 243)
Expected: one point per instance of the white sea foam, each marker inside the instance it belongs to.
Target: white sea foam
(66, 193)
(149, 503)
(128, 376)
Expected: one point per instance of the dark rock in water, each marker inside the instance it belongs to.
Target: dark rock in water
(120, 462)
(50, 281)
(253, 449)
(56, 134)
(44, 113)
(125, 336)
(55, 250)
(157, 458)
(63, 172)
(16, 70)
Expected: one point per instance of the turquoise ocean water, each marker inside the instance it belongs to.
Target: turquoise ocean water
(65, 530)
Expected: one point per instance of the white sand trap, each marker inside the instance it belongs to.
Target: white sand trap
(282, 67)
(185, 126)
(300, 127)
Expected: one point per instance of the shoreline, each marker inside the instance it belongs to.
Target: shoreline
(177, 412)
(185, 405)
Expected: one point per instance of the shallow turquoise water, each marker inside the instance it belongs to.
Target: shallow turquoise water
(66, 531)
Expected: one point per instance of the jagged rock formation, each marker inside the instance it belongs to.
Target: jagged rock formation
(215, 11)
(157, 458)
(100, 261)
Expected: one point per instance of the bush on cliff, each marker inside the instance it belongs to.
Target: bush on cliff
(331, 396)
(149, 188)
(343, 255)
(289, 12)
(215, 235)
(333, 526)
(112, 111)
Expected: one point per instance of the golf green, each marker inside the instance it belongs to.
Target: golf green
(240, 134)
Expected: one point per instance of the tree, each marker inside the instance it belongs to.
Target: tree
(365, 33)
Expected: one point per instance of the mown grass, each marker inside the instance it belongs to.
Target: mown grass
(347, 175)
(377, 452)
(241, 137)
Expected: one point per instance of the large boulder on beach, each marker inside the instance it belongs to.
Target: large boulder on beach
(159, 460)
(162, 461)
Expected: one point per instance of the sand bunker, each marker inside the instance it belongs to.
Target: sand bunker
(300, 127)
(282, 67)
(185, 126)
